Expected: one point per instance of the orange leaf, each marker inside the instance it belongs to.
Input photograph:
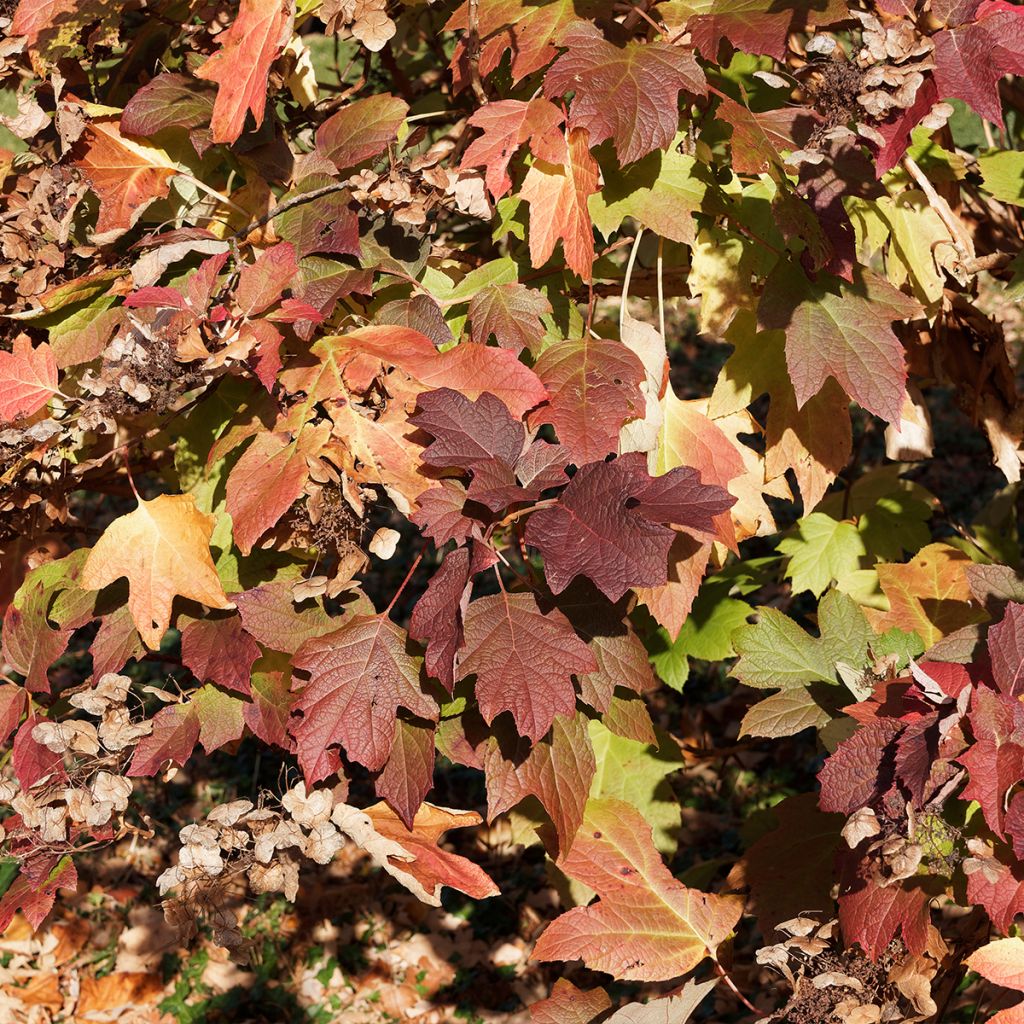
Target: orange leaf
(267, 479)
(126, 174)
(121, 990)
(558, 196)
(929, 595)
(467, 367)
(28, 378)
(163, 547)
(647, 925)
(433, 866)
(1001, 962)
(43, 990)
(241, 66)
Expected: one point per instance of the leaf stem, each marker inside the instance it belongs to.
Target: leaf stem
(408, 576)
(513, 516)
(739, 995)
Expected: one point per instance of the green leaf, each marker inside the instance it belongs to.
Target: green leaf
(775, 651)
(662, 191)
(500, 271)
(822, 550)
(899, 642)
(706, 633)
(1003, 175)
(895, 525)
(845, 632)
(636, 772)
(785, 714)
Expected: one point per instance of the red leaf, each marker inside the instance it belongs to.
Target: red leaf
(242, 64)
(440, 514)
(327, 224)
(210, 717)
(361, 674)
(757, 26)
(34, 890)
(557, 771)
(916, 755)
(270, 687)
(506, 125)
(174, 737)
(265, 357)
(523, 660)
(528, 29)
(168, 101)
(872, 916)
(646, 926)
(409, 774)
(361, 130)
(512, 313)
(468, 434)
(28, 378)
(594, 387)
(844, 331)
(12, 707)
(758, 139)
(266, 480)
(437, 618)
(971, 59)
(31, 760)
(595, 531)
(219, 650)
(621, 661)
(999, 888)
(1006, 649)
(28, 641)
(896, 130)
(861, 769)
(558, 194)
(994, 769)
(261, 284)
(568, 1004)
(116, 643)
(629, 94)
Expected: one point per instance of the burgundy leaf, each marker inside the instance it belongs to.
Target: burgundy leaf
(219, 650)
(361, 674)
(1006, 649)
(437, 617)
(409, 773)
(861, 769)
(595, 532)
(523, 660)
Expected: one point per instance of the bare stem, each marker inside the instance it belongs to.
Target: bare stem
(739, 995)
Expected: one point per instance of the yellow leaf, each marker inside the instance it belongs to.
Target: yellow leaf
(163, 547)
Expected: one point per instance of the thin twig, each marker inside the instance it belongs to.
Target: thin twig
(473, 51)
(290, 204)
